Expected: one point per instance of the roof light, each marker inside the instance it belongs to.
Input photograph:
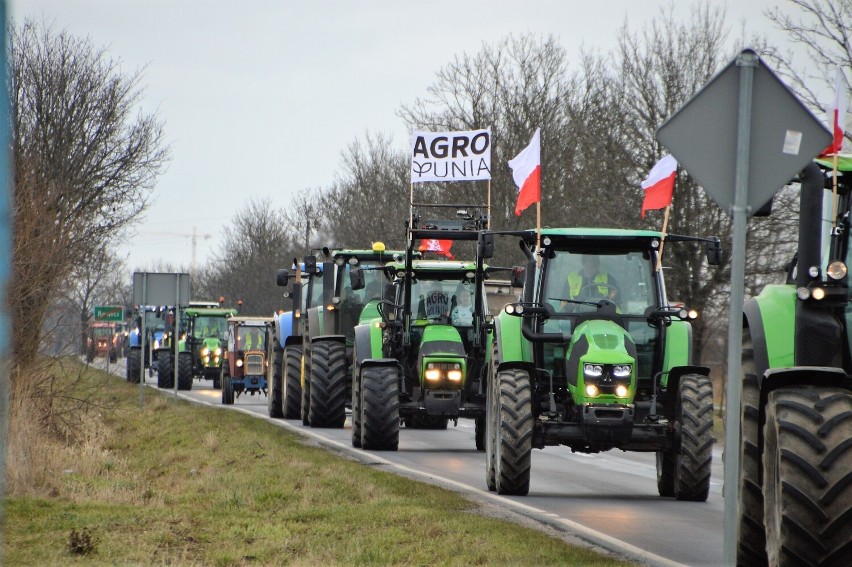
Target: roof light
(378, 246)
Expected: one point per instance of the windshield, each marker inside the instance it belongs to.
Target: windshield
(103, 331)
(625, 279)
(374, 280)
(153, 323)
(251, 338)
(211, 327)
(443, 298)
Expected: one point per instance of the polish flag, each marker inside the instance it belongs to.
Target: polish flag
(837, 115)
(441, 247)
(659, 185)
(526, 171)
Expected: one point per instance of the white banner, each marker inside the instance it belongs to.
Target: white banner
(451, 156)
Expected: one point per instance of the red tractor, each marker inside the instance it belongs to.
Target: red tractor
(247, 357)
(102, 341)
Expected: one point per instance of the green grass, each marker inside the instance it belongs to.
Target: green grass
(181, 484)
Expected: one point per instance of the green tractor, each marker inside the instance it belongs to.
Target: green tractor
(422, 361)
(201, 346)
(595, 358)
(330, 330)
(795, 478)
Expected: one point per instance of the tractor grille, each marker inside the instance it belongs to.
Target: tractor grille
(254, 365)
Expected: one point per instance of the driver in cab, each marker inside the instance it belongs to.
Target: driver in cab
(590, 283)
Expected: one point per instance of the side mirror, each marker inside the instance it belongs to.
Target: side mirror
(282, 278)
(356, 278)
(485, 245)
(714, 252)
(518, 274)
(310, 264)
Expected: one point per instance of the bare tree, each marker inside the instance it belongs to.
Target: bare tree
(305, 219)
(84, 165)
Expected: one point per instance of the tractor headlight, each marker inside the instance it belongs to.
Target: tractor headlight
(454, 374)
(217, 352)
(594, 370)
(433, 373)
(205, 351)
(621, 370)
(592, 390)
(240, 363)
(621, 391)
(156, 344)
(836, 270)
(818, 293)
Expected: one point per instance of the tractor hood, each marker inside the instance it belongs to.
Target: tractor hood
(601, 354)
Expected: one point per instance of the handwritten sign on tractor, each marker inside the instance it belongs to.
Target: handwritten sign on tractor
(114, 313)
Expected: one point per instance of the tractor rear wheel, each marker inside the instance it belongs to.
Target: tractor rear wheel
(227, 391)
(695, 414)
(134, 364)
(184, 371)
(491, 422)
(380, 408)
(274, 405)
(479, 435)
(306, 387)
(165, 375)
(328, 384)
(356, 405)
(514, 435)
(807, 459)
(751, 535)
(292, 398)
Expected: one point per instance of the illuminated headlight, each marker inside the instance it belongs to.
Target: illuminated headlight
(591, 390)
(433, 373)
(217, 352)
(455, 373)
(510, 309)
(215, 360)
(156, 344)
(330, 307)
(205, 351)
(621, 370)
(818, 293)
(621, 391)
(836, 270)
(594, 370)
(240, 363)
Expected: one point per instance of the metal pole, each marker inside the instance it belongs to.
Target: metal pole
(144, 348)
(747, 61)
(176, 334)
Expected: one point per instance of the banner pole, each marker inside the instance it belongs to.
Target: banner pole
(834, 194)
(488, 210)
(538, 232)
(410, 211)
(663, 240)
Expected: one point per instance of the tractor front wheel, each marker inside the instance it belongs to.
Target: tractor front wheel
(807, 459)
(380, 408)
(328, 384)
(306, 387)
(356, 408)
(227, 391)
(514, 434)
(184, 371)
(491, 422)
(165, 375)
(292, 398)
(274, 406)
(479, 435)
(134, 366)
(695, 414)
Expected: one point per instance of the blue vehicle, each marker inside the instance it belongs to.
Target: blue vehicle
(145, 351)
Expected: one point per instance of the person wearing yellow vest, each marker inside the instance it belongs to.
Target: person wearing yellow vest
(590, 283)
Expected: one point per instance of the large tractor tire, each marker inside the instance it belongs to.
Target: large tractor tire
(807, 469)
(274, 404)
(380, 408)
(292, 398)
(479, 432)
(694, 411)
(751, 535)
(184, 371)
(306, 386)
(513, 443)
(227, 391)
(165, 373)
(328, 384)
(356, 409)
(491, 421)
(134, 365)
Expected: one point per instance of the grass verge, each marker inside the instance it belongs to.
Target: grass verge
(175, 483)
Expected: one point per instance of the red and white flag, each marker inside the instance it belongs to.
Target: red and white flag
(441, 247)
(837, 115)
(659, 185)
(526, 171)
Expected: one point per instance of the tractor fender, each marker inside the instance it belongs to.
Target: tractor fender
(771, 320)
(368, 342)
(673, 381)
(314, 323)
(331, 338)
(513, 350)
(293, 340)
(678, 347)
(284, 326)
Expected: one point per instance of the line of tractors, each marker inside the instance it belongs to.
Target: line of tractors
(589, 354)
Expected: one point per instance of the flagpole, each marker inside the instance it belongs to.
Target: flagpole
(663, 240)
(488, 210)
(538, 232)
(834, 194)
(410, 211)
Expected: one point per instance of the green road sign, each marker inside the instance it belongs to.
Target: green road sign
(113, 313)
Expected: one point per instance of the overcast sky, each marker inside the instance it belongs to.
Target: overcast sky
(259, 98)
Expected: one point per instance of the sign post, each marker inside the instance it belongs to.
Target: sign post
(772, 142)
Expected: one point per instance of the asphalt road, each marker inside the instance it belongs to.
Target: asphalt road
(609, 500)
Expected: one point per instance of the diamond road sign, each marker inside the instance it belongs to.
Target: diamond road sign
(785, 136)
(111, 313)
